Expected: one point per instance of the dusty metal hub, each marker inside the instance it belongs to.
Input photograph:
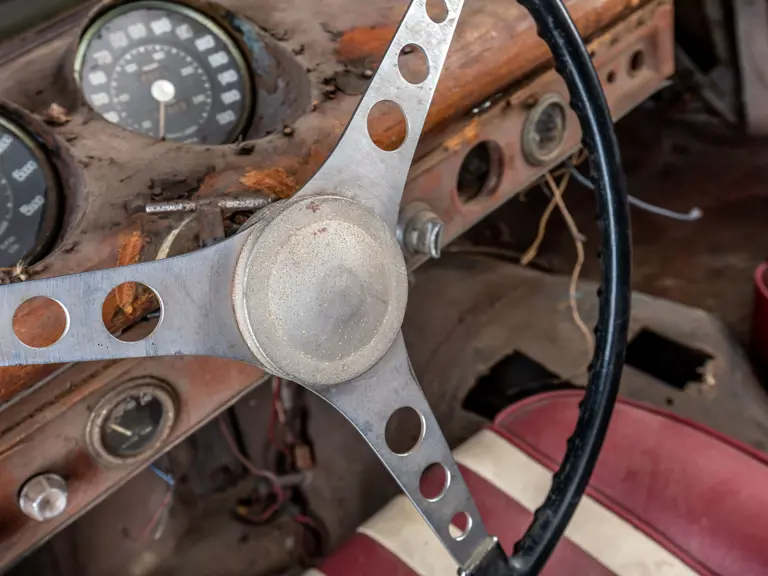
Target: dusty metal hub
(320, 290)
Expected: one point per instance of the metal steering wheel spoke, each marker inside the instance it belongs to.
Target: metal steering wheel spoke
(196, 316)
(358, 168)
(369, 401)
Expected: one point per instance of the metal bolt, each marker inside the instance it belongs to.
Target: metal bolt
(421, 230)
(43, 497)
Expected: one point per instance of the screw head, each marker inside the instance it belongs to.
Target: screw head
(44, 497)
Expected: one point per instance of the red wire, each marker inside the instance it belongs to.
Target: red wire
(306, 520)
(278, 490)
(157, 515)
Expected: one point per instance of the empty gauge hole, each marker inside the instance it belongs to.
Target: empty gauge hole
(40, 322)
(461, 524)
(404, 430)
(131, 312)
(610, 77)
(413, 64)
(637, 61)
(437, 11)
(480, 173)
(384, 125)
(434, 482)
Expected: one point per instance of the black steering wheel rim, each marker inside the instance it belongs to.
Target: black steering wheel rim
(573, 63)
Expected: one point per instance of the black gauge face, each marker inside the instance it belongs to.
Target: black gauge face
(166, 71)
(28, 198)
(133, 424)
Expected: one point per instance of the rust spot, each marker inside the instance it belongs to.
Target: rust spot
(320, 231)
(128, 253)
(271, 181)
(365, 43)
(314, 206)
(56, 115)
(467, 136)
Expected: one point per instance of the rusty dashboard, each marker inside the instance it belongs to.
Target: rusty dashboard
(111, 164)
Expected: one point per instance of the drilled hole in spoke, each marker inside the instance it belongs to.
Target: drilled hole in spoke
(434, 482)
(385, 125)
(40, 322)
(404, 430)
(131, 311)
(437, 11)
(413, 64)
(461, 524)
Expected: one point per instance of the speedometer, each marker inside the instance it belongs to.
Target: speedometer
(167, 71)
(29, 197)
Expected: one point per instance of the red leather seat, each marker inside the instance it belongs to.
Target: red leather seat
(668, 497)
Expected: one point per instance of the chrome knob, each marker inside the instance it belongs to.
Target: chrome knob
(44, 497)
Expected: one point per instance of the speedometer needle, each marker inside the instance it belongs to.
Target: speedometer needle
(161, 134)
(121, 430)
(163, 91)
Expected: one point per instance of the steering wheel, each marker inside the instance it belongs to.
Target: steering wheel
(315, 288)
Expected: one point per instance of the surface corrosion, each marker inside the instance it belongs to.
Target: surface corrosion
(495, 47)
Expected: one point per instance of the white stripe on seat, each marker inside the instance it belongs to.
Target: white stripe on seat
(399, 528)
(601, 533)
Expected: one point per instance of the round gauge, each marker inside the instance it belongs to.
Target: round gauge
(29, 197)
(132, 422)
(544, 130)
(167, 71)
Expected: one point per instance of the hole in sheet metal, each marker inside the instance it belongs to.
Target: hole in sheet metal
(122, 309)
(383, 122)
(404, 430)
(413, 64)
(480, 173)
(434, 482)
(437, 11)
(637, 61)
(461, 524)
(40, 322)
(670, 362)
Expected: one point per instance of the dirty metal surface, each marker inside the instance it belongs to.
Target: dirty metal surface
(507, 308)
(110, 167)
(49, 432)
(465, 314)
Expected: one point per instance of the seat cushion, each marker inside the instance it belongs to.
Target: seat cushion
(668, 497)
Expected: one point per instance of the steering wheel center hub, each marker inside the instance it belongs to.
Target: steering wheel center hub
(320, 290)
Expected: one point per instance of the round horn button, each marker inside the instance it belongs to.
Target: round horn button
(320, 290)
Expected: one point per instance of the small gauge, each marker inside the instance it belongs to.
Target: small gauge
(29, 197)
(132, 422)
(165, 70)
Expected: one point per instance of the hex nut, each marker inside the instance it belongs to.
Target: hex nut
(421, 230)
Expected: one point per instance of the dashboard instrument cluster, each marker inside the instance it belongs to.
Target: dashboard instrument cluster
(132, 130)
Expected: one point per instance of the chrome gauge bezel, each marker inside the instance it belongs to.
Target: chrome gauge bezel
(236, 50)
(53, 218)
(161, 390)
